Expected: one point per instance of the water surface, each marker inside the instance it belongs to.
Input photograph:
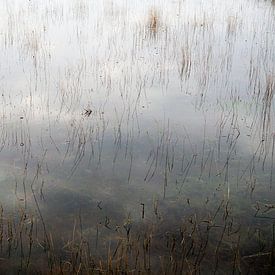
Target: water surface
(148, 115)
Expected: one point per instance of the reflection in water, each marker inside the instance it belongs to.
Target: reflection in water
(137, 136)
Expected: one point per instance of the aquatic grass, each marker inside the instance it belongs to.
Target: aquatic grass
(133, 120)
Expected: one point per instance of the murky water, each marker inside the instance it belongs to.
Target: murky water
(148, 115)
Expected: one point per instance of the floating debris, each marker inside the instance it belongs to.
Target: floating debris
(87, 112)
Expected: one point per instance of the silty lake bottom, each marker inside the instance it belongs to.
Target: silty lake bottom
(137, 137)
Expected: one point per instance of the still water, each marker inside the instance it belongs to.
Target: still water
(143, 130)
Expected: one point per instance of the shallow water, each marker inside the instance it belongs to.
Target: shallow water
(182, 112)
